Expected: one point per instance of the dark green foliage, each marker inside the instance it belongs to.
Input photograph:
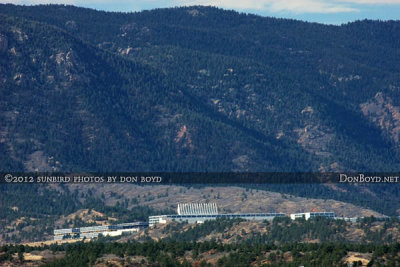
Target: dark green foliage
(284, 230)
(208, 227)
(236, 81)
(168, 253)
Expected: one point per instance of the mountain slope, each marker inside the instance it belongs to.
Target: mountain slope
(97, 111)
(196, 89)
(244, 71)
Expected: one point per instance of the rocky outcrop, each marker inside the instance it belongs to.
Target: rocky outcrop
(71, 25)
(315, 139)
(183, 139)
(384, 114)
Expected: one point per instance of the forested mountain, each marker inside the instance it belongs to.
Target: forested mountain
(195, 89)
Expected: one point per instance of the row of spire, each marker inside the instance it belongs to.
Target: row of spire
(197, 209)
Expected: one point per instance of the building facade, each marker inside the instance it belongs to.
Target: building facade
(201, 212)
(95, 231)
(310, 215)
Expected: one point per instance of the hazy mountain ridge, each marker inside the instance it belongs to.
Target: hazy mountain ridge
(246, 72)
(77, 70)
(198, 89)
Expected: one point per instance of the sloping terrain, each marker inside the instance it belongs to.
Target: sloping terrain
(194, 88)
(74, 107)
(79, 205)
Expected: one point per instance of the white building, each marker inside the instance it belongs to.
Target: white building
(95, 231)
(202, 218)
(197, 209)
(310, 215)
(201, 212)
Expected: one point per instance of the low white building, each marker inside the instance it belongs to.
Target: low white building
(310, 215)
(94, 231)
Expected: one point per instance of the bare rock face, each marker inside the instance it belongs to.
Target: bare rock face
(3, 43)
(194, 12)
(381, 111)
(315, 139)
(37, 161)
(129, 27)
(183, 138)
(71, 25)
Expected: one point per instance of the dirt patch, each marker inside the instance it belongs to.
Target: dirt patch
(87, 216)
(381, 111)
(364, 258)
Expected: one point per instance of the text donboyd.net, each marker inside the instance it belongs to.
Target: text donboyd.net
(362, 178)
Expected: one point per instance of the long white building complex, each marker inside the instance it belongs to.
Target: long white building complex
(310, 215)
(186, 212)
(200, 212)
